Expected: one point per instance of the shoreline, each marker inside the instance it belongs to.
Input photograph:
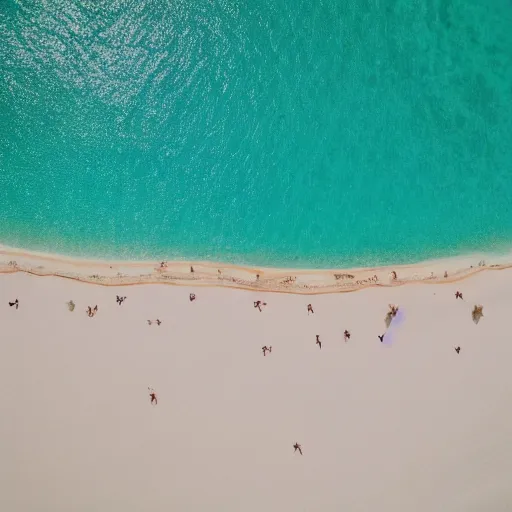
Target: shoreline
(280, 280)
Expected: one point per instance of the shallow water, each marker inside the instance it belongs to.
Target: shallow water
(276, 133)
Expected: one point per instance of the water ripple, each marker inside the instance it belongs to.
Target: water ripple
(288, 133)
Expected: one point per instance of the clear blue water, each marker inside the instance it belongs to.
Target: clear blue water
(285, 132)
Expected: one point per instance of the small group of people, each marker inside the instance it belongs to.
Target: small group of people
(346, 337)
(120, 300)
(91, 311)
(266, 349)
(372, 279)
(157, 322)
(259, 304)
(15, 303)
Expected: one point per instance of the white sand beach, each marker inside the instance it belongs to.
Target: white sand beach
(409, 424)
(283, 280)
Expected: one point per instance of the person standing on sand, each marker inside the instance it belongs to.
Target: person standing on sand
(457, 349)
(192, 297)
(346, 335)
(152, 395)
(458, 295)
(318, 342)
(266, 349)
(381, 338)
(258, 304)
(310, 309)
(296, 447)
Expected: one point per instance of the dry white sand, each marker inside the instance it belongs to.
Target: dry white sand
(411, 426)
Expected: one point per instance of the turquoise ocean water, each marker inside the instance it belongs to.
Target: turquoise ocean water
(288, 132)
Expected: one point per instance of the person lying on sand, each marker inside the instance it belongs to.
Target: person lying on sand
(149, 322)
(158, 322)
(346, 335)
(192, 297)
(15, 303)
(266, 349)
(296, 447)
(458, 295)
(318, 342)
(310, 309)
(92, 311)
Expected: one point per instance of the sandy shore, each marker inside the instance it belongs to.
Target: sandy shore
(300, 281)
(409, 424)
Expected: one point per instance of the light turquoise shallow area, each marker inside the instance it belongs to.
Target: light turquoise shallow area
(287, 132)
